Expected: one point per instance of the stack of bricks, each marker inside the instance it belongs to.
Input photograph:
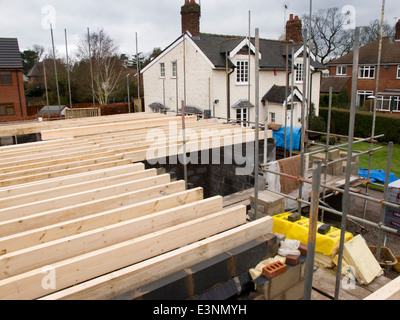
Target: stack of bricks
(333, 169)
(287, 286)
(354, 164)
(269, 204)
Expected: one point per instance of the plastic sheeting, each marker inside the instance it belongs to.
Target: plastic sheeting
(377, 175)
(280, 138)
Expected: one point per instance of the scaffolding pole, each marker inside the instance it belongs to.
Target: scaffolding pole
(257, 88)
(303, 120)
(376, 96)
(312, 231)
(346, 195)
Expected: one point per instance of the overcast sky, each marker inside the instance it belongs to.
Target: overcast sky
(158, 22)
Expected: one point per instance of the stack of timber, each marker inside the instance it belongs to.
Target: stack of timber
(81, 217)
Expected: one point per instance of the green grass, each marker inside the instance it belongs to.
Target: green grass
(379, 158)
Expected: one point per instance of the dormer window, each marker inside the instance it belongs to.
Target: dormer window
(242, 72)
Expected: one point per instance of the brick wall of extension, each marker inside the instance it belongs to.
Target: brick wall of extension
(14, 94)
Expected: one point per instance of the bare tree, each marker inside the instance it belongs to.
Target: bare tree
(372, 31)
(328, 38)
(107, 66)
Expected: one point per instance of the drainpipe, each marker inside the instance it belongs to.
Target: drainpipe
(228, 88)
(19, 94)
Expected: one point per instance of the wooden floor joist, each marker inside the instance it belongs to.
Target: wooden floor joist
(82, 203)
(68, 180)
(137, 275)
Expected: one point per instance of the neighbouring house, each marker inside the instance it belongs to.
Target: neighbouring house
(12, 95)
(388, 95)
(216, 73)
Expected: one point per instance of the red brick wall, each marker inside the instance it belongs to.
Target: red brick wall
(14, 94)
(387, 79)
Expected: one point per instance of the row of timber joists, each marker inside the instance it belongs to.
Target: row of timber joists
(81, 217)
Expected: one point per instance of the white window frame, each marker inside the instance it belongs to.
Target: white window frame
(341, 70)
(272, 116)
(398, 72)
(242, 114)
(365, 93)
(242, 72)
(365, 72)
(173, 69)
(162, 70)
(299, 72)
(383, 103)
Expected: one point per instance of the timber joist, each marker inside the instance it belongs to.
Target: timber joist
(81, 217)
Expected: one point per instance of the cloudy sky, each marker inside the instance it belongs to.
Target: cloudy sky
(157, 22)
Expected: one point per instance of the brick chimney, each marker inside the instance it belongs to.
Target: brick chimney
(191, 13)
(293, 29)
(397, 35)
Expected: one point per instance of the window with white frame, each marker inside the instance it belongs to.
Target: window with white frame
(388, 103)
(162, 70)
(272, 116)
(174, 69)
(398, 72)
(341, 70)
(299, 72)
(242, 72)
(362, 96)
(366, 72)
(242, 115)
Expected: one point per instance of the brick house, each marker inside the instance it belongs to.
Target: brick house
(340, 71)
(216, 73)
(12, 95)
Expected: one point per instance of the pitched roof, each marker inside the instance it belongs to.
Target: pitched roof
(214, 48)
(337, 84)
(273, 52)
(277, 94)
(10, 56)
(368, 54)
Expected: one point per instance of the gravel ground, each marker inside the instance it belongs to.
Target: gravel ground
(370, 234)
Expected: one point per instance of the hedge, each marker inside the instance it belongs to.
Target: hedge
(387, 124)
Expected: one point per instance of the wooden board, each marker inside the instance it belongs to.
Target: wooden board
(97, 219)
(87, 266)
(51, 183)
(390, 291)
(137, 275)
(49, 253)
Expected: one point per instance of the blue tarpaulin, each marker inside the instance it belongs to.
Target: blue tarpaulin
(280, 138)
(377, 175)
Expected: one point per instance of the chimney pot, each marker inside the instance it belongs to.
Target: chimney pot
(294, 29)
(190, 14)
(397, 35)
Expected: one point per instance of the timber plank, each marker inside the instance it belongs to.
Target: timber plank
(145, 272)
(76, 199)
(51, 232)
(60, 173)
(87, 266)
(69, 180)
(51, 252)
(390, 291)
(50, 193)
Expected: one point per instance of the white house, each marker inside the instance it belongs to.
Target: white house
(217, 73)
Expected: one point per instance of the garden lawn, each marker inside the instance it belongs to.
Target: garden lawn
(379, 159)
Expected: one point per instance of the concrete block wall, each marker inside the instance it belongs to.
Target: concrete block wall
(287, 286)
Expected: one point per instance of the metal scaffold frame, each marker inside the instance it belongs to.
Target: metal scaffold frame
(316, 202)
